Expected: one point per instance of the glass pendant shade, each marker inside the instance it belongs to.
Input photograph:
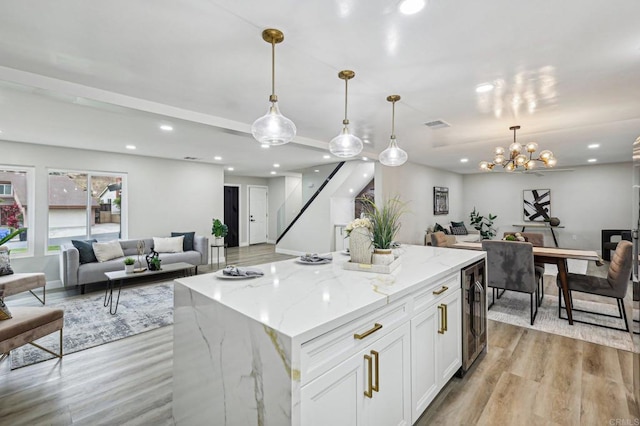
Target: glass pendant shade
(499, 150)
(393, 155)
(273, 128)
(551, 162)
(345, 144)
(515, 147)
(499, 159)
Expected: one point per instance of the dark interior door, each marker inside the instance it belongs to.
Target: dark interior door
(232, 215)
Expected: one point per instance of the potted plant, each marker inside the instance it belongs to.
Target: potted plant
(219, 230)
(385, 222)
(129, 263)
(483, 224)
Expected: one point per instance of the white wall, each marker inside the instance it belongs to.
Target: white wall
(243, 195)
(163, 195)
(314, 231)
(586, 200)
(414, 184)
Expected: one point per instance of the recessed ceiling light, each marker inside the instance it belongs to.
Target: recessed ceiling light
(365, 175)
(230, 169)
(326, 157)
(484, 88)
(276, 165)
(410, 7)
(317, 171)
(0, 131)
(592, 160)
(351, 190)
(593, 146)
(265, 145)
(273, 172)
(166, 128)
(365, 158)
(464, 160)
(130, 147)
(366, 141)
(217, 158)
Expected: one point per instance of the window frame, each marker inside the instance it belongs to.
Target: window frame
(30, 172)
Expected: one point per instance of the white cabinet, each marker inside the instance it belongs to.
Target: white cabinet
(372, 387)
(436, 348)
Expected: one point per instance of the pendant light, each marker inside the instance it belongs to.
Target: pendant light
(345, 144)
(273, 128)
(393, 155)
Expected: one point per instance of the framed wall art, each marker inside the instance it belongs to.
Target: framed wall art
(536, 205)
(440, 200)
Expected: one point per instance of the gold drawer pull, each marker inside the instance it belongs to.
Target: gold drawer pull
(375, 328)
(369, 392)
(376, 387)
(442, 290)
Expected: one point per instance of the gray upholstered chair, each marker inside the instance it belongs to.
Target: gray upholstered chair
(536, 240)
(439, 239)
(615, 285)
(510, 267)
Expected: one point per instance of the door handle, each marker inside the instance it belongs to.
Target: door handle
(369, 392)
(441, 328)
(376, 387)
(442, 290)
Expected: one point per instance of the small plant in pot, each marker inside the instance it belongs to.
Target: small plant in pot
(219, 230)
(129, 263)
(385, 222)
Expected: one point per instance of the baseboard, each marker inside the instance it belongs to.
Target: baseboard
(289, 252)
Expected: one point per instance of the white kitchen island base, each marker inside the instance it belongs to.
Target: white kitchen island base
(317, 344)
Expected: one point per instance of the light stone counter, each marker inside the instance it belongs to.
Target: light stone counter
(237, 342)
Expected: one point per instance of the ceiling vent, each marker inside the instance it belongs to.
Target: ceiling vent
(437, 124)
(191, 158)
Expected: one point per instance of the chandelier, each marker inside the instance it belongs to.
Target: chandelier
(515, 158)
(345, 144)
(273, 128)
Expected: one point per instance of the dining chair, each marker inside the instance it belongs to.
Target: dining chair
(537, 240)
(615, 285)
(439, 239)
(510, 267)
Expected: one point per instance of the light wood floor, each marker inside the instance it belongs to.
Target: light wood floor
(527, 377)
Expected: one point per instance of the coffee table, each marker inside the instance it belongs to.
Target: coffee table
(121, 276)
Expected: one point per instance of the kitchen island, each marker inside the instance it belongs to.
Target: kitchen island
(318, 344)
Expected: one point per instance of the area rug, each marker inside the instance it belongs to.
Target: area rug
(514, 308)
(87, 323)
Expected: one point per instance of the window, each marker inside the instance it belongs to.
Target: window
(84, 205)
(16, 207)
(5, 189)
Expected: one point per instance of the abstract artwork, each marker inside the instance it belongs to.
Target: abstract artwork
(440, 200)
(537, 204)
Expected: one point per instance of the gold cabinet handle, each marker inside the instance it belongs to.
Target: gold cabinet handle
(375, 328)
(441, 329)
(369, 392)
(446, 317)
(442, 290)
(376, 387)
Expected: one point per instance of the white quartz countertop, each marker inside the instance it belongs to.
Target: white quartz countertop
(303, 301)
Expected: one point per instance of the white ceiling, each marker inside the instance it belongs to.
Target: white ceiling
(101, 75)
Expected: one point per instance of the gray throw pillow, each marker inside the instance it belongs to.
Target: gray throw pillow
(85, 249)
(5, 265)
(187, 243)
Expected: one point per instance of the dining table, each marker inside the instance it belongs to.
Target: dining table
(554, 256)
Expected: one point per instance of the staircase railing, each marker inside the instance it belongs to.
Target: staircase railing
(310, 201)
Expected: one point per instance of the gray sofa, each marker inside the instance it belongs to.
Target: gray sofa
(72, 272)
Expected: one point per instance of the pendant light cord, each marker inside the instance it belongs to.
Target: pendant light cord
(393, 120)
(273, 97)
(346, 94)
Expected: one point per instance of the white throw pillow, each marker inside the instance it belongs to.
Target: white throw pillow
(168, 245)
(107, 251)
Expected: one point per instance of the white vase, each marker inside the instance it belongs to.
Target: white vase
(360, 246)
(128, 269)
(382, 257)
(218, 241)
